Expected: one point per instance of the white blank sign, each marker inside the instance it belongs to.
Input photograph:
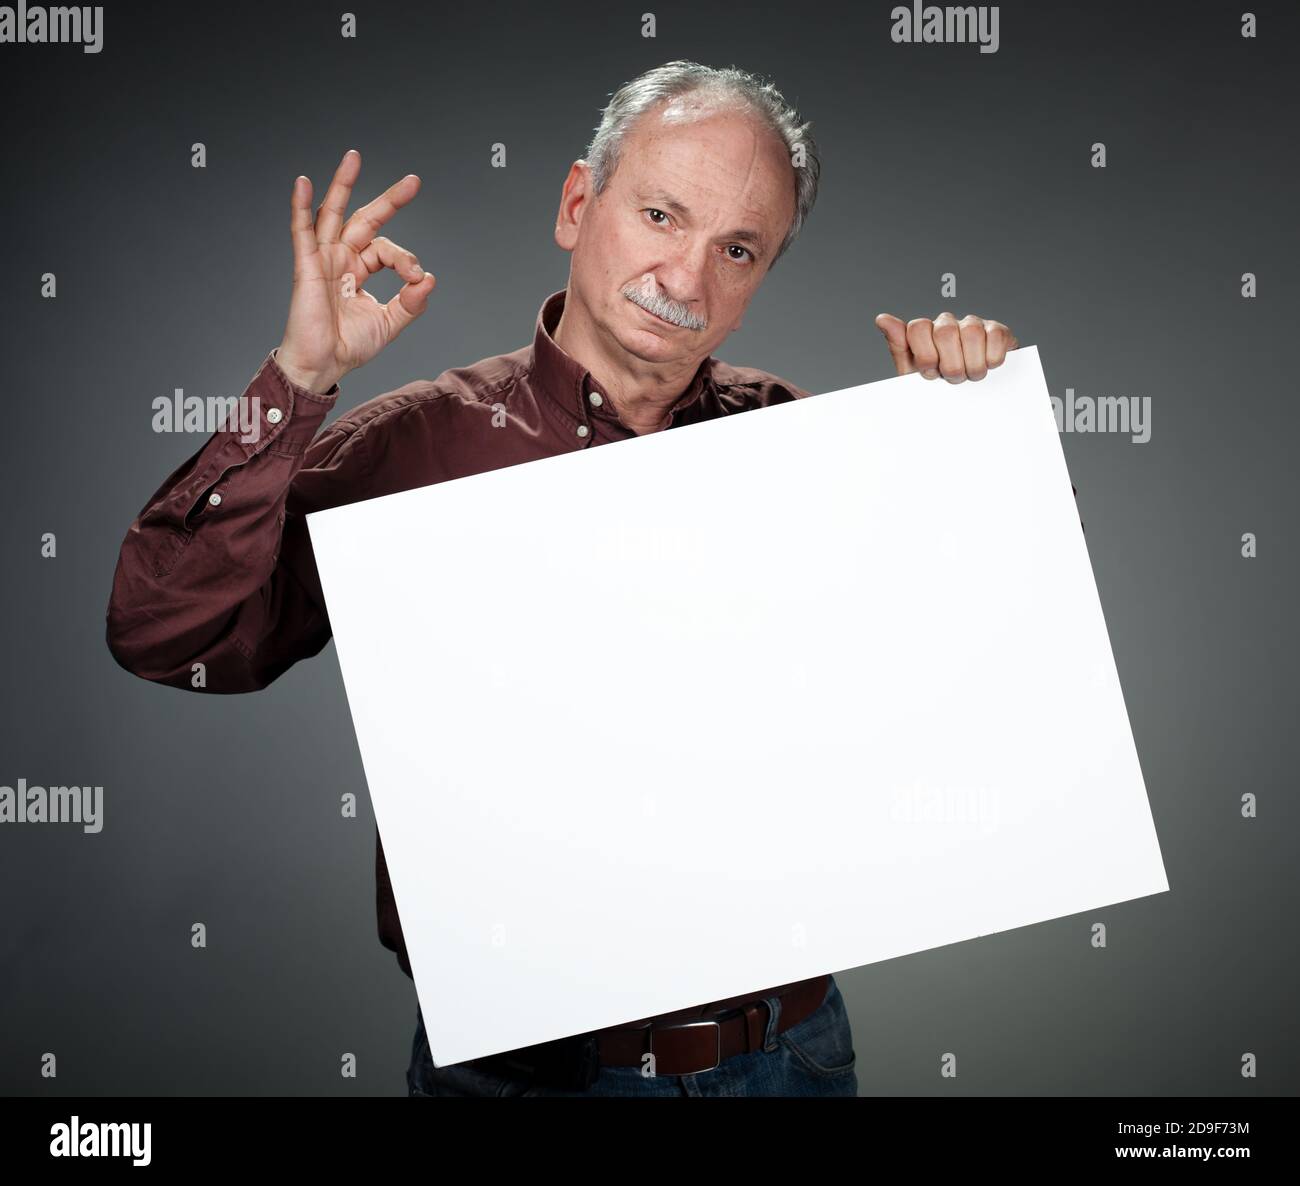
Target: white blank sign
(710, 710)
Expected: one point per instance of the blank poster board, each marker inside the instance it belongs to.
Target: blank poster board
(710, 710)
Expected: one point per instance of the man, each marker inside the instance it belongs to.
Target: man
(695, 184)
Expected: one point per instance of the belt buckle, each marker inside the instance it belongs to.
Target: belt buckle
(681, 1025)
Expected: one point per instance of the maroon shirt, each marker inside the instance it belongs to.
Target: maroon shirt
(218, 567)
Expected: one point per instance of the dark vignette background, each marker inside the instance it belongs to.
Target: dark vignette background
(936, 159)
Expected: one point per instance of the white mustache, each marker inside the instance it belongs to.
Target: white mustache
(653, 301)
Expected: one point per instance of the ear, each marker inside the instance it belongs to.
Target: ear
(574, 199)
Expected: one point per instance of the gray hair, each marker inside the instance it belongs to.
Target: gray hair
(730, 84)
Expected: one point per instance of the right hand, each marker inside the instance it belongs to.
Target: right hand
(330, 333)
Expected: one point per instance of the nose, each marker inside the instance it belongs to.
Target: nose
(652, 286)
(682, 273)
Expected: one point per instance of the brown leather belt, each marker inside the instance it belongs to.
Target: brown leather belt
(698, 1039)
(684, 1042)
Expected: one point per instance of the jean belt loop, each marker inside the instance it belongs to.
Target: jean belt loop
(773, 1016)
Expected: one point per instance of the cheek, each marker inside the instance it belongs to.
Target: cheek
(613, 251)
(733, 288)
(638, 248)
(733, 299)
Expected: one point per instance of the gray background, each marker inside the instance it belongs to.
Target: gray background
(936, 158)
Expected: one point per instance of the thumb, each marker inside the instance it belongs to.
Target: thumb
(895, 331)
(411, 300)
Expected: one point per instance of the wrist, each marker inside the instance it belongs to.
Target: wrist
(318, 382)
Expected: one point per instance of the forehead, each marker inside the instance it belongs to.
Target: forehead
(711, 156)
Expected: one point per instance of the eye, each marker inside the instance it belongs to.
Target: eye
(652, 211)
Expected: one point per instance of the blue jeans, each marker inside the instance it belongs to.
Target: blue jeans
(814, 1057)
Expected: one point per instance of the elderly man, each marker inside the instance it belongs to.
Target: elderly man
(696, 182)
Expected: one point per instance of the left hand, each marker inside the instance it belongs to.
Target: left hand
(957, 350)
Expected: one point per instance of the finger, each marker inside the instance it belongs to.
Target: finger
(365, 222)
(329, 218)
(300, 228)
(998, 340)
(410, 301)
(947, 340)
(895, 331)
(384, 253)
(920, 340)
(971, 329)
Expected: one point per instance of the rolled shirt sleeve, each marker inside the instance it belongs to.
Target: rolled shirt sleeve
(217, 567)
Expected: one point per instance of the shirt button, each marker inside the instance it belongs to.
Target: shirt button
(214, 499)
(274, 416)
(596, 399)
(583, 430)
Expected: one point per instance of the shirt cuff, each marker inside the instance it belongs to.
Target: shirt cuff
(332, 394)
(286, 414)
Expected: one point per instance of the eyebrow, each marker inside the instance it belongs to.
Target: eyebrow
(668, 202)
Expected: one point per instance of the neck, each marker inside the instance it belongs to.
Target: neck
(640, 392)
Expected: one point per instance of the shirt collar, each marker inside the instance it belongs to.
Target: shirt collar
(569, 386)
